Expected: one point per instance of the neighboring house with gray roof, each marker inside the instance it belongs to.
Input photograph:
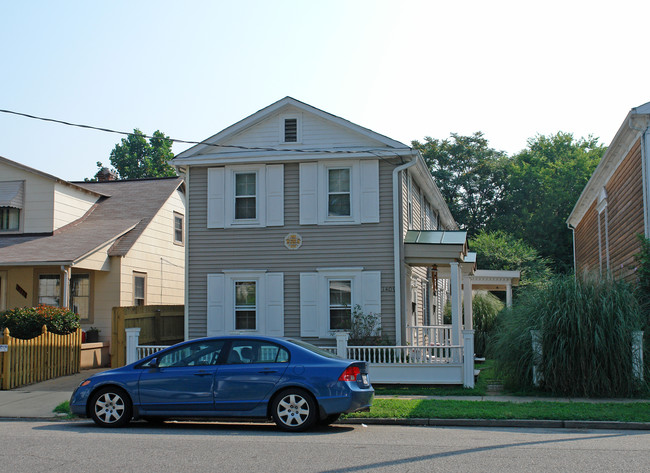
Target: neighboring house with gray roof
(90, 246)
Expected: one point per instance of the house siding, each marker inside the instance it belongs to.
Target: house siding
(70, 204)
(620, 223)
(316, 132)
(214, 250)
(625, 214)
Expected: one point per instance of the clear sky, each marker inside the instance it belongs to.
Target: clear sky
(404, 68)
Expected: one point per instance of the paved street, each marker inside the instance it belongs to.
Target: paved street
(27, 446)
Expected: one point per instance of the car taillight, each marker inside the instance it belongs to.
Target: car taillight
(350, 374)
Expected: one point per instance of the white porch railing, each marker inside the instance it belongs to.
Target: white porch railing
(445, 364)
(146, 350)
(423, 335)
(409, 355)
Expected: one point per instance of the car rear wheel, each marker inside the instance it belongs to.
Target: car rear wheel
(111, 407)
(294, 410)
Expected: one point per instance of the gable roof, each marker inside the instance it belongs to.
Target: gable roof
(118, 218)
(45, 175)
(626, 135)
(217, 141)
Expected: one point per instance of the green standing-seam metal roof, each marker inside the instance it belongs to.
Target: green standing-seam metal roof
(436, 237)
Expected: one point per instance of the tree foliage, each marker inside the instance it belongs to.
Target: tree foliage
(136, 158)
(543, 183)
(501, 251)
(469, 174)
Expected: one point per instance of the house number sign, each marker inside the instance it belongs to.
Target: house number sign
(293, 241)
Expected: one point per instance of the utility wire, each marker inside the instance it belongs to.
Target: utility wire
(216, 145)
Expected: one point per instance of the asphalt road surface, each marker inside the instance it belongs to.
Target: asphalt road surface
(76, 446)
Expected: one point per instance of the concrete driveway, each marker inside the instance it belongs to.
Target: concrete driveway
(38, 400)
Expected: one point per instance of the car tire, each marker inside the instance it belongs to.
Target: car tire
(330, 419)
(111, 407)
(294, 410)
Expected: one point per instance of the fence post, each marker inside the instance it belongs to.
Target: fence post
(6, 362)
(637, 355)
(468, 358)
(342, 344)
(537, 355)
(132, 339)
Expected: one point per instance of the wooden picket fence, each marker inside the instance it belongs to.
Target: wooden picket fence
(38, 359)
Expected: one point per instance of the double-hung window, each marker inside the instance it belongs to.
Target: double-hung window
(179, 221)
(49, 289)
(245, 196)
(80, 295)
(340, 304)
(338, 192)
(9, 219)
(139, 288)
(245, 305)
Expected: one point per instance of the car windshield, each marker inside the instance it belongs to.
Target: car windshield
(312, 348)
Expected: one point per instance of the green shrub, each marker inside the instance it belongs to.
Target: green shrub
(485, 307)
(586, 334)
(27, 322)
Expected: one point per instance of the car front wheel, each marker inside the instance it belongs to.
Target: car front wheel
(294, 410)
(111, 407)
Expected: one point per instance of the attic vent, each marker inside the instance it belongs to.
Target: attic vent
(290, 130)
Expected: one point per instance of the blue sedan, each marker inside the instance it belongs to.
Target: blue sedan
(296, 384)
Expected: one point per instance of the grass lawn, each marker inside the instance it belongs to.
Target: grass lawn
(548, 410)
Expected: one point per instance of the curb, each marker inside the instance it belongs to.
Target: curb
(518, 423)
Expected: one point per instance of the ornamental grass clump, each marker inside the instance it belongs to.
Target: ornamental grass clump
(27, 322)
(485, 307)
(585, 328)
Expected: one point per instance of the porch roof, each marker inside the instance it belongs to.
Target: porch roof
(492, 280)
(429, 247)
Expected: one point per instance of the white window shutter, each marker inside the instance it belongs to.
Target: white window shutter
(216, 315)
(216, 197)
(275, 195)
(309, 315)
(308, 193)
(371, 291)
(275, 304)
(369, 170)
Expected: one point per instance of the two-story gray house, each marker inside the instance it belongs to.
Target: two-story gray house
(295, 216)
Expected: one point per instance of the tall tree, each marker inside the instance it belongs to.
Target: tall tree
(135, 158)
(543, 184)
(469, 174)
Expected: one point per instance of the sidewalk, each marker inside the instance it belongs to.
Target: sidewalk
(37, 401)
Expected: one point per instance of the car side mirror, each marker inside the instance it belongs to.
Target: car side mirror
(153, 363)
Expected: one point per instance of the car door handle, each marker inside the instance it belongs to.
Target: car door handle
(268, 371)
(202, 373)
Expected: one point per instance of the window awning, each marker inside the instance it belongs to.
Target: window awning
(429, 247)
(12, 194)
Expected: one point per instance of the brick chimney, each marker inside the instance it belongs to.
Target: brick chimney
(106, 174)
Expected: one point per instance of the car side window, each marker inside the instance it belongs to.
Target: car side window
(203, 353)
(254, 351)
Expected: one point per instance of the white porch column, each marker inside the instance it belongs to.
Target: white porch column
(455, 306)
(468, 358)
(132, 339)
(509, 294)
(467, 303)
(342, 344)
(65, 303)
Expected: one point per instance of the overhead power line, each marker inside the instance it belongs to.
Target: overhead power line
(216, 145)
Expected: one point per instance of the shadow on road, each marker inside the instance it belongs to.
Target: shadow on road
(191, 428)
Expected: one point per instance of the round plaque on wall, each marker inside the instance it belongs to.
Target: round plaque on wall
(293, 241)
